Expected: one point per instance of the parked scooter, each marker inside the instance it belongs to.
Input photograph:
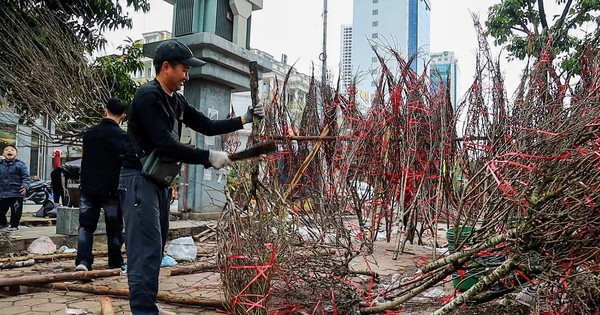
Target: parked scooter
(39, 191)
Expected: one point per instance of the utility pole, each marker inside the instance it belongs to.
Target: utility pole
(323, 55)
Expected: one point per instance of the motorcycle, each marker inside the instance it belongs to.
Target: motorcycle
(39, 191)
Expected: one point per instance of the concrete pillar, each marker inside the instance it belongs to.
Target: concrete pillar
(205, 193)
(242, 9)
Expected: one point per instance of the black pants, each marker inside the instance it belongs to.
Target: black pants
(56, 180)
(89, 214)
(146, 210)
(16, 210)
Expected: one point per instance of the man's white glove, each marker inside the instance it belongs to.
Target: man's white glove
(259, 111)
(218, 159)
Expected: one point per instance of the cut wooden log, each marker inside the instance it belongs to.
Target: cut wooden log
(186, 270)
(162, 296)
(66, 276)
(51, 257)
(17, 264)
(106, 307)
(205, 235)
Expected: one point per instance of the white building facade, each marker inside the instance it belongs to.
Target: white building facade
(296, 91)
(148, 72)
(33, 142)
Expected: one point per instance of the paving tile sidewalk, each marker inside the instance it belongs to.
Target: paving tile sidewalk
(206, 284)
(41, 301)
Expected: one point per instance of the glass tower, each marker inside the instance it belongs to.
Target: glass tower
(443, 70)
(377, 25)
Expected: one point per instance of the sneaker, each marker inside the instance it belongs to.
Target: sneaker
(81, 267)
(162, 311)
(11, 229)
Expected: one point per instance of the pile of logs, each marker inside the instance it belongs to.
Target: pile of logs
(80, 281)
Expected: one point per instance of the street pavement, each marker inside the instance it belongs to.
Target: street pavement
(30, 207)
(38, 301)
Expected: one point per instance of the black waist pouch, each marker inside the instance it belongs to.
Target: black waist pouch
(158, 170)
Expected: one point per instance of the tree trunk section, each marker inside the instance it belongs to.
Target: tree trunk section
(67, 276)
(162, 296)
(484, 283)
(106, 306)
(17, 264)
(186, 270)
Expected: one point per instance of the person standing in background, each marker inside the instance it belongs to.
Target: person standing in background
(57, 178)
(103, 147)
(14, 183)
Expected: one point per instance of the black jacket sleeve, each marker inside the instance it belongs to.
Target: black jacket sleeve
(119, 141)
(200, 123)
(71, 171)
(158, 125)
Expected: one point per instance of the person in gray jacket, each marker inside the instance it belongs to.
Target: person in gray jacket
(14, 183)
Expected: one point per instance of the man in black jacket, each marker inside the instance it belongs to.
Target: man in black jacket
(157, 113)
(58, 176)
(103, 148)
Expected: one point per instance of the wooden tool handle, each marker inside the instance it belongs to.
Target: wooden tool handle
(257, 150)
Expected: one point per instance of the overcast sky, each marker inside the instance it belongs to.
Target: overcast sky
(295, 28)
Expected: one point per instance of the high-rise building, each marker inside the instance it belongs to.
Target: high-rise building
(443, 69)
(402, 25)
(418, 32)
(346, 56)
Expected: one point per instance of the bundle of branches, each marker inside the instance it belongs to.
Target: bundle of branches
(404, 151)
(45, 64)
(303, 195)
(283, 233)
(521, 188)
(531, 178)
(43, 69)
(251, 235)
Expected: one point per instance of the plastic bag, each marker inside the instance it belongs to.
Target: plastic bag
(74, 311)
(42, 245)
(168, 261)
(65, 249)
(182, 248)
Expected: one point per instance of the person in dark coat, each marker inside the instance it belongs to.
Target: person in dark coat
(57, 177)
(103, 147)
(14, 183)
(157, 113)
